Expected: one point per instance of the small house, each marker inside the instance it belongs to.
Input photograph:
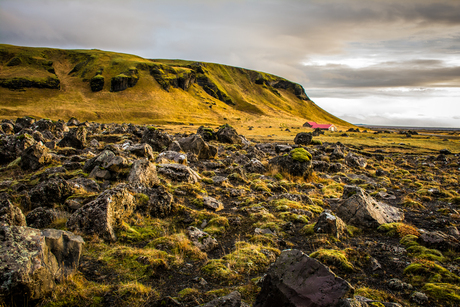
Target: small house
(314, 125)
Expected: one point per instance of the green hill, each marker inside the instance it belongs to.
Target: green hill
(106, 86)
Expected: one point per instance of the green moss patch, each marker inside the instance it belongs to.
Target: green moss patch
(300, 155)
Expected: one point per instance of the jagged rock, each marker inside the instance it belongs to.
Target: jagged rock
(320, 166)
(212, 203)
(31, 260)
(359, 208)
(297, 163)
(439, 240)
(41, 217)
(398, 285)
(178, 172)
(10, 214)
(231, 300)
(255, 166)
(337, 153)
(207, 134)
(143, 175)
(101, 174)
(295, 279)
(115, 163)
(160, 204)
(353, 160)
(7, 128)
(175, 146)
(228, 134)
(195, 144)
(103, 157)
(23, 122)
(171, 156)
(35, 157)
(50, 193)
(336, 167)
(201, 239)
(254, 153)
(158, 139)
(330, 224)
(101, 215)
(75, 138)
(303, 138)
(279, 148)
(142, 151)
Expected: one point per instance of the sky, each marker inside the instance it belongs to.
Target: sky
(379, 62)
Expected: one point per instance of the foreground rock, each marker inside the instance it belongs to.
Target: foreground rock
(100, 216)
(360, 209)
(31, 260)
(35, 157)
(143, 175)
(75, 138)
(296, 163)
(330, 224)
(295, 279)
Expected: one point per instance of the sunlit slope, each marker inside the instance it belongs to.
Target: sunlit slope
(114, 87)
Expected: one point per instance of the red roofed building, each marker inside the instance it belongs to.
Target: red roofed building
(314, 125)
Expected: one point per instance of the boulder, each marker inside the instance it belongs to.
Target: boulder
(360, 209)
(201, 239)
(7, 128)
(353, 160)
(297, 163)
(178, 172)
(161, 203)
(255, 166)
(50, 193)
(279, 148)
(142, 151)
(207, 134)
(195, 144)
(439, 240)
(330, 224)
(296, 279)
(171, 156)
(31, 260)
(303, 138)
(98, 160)
(156, 138)
(212, 203)
(10, 214)
(41, 217)
(228, 134)
(35, 157)
(101, 215)
(75, 138)
(143, 175)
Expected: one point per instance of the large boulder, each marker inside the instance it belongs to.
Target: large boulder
(178, 172)
(10, 214)
(35, 157)
(297, 162)
(195, 144)
(360, 209)
(50, 193)
(255, 166)
(143, 175)
(103, 214)
(296, 279)
(228, 134)
(156, 138)
(303, 138)
(31, 260)
(76, 138)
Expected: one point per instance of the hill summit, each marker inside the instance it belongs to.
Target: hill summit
(116, 87)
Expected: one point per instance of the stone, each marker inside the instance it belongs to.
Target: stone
(35, 157)
(161, 203)
(41, 217)
(228, 134)
(360, 209)
(279, 148)
(207, 134)
(303, 138)
(7, 128)
(337, 153)
(100, 173)
(143, 175)
(157, 139)
(171, 156)
(75, 138)
(103, 214)
(9, 213)
(98, 160)
(330, 224)
(353, 160)
(212, 203)
(439, 240)
(50, 193)
(201, 239)
(195, 144)
(255, 166)
(419, 298)
(142, 151)
(231, 300)
(297, 163)
(296, 279)
(178, 172)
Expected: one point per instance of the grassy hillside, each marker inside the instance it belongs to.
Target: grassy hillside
(105, 86)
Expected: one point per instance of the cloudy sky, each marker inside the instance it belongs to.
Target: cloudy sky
(384, 62)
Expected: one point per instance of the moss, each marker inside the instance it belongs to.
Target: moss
(300, 155)
(179, 246)
(308, 230)
(217, 225)
(422, 252)
(187, 292)
(398, 229)
(427, 271)
(316, 142)
(375, 294)
(333, 257)
(409, 240)
(445, 293)
(135, 234)
(141, 199)
(353, 231)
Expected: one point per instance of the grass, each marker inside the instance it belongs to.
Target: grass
(333, 257)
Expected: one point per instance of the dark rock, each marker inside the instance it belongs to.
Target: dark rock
(103, 214)
(419, 298)
(7, 128)
(23, 122)
(201, 239)
(35, 157)
(195, 144)
(439, 240)
(282, 148)
(360, 209)
(207, 134)
(41, 217)
(175, 146)
(330, 224)
(156, 138)
(336, 167)
(303, 138)
(445, 152)
(228, 134)
(255, 166)
(73, 122)
(160, 204)
(10, 214)
(96, 83)
(75, 138)
(142, 151)
(178, 172)
(295, 279)
(171, 156)
(50, 193)
(320, 166)
(297, 163)
(353, 160)
(103, 157)
(212, 203)
(143, 175)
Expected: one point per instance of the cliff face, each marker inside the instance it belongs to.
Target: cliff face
(115, 86)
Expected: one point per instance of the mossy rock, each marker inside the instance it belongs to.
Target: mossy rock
(300, 155)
